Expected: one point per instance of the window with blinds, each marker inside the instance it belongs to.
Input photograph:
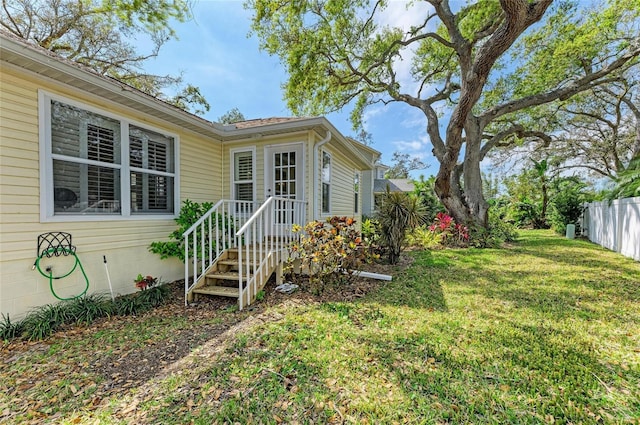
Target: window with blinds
(243, 176)
(86, 161)
(151, 174)
(85, 164)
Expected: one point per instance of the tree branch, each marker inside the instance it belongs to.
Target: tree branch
(561, 93)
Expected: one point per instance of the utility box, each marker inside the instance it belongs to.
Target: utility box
(571, 231)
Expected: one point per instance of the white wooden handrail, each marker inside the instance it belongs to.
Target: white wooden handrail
(262, 242)
(210, 236)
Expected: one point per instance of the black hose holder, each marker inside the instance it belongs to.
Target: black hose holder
(55, 244)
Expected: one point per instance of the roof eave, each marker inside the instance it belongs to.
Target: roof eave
(20, 54)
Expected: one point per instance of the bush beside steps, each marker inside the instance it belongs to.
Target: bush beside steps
(47, 319)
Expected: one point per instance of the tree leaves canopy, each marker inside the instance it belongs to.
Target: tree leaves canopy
(102, 35)
(231, 116)
(402, 165)
(483, 63)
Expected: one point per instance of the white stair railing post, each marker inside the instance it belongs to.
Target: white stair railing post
(186, 268)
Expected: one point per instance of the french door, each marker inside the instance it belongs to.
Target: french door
(284, 178)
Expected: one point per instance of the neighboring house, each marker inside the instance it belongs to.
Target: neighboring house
(374, 179)
(88, 155)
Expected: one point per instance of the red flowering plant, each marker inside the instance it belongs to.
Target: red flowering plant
(449, 232)
(145, 282)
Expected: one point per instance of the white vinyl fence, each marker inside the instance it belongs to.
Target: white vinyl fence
(615, 226)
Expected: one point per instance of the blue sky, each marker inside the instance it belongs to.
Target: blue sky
(215, 53)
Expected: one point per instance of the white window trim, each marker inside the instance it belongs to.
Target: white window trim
(232, 169)
(323, 151)
(357, 205)
(47, 214)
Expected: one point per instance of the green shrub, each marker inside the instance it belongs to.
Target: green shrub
(45, 320)
(88, 308)
(424, 238)
(153, 297)
(128, 306)
(567, 197)
(329, 251)
(189, 214)
(370, 230)
(498, 232)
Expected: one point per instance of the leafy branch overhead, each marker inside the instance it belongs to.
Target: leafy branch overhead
(471, 69)
(97, 33)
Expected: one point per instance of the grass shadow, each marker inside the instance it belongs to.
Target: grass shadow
(415, 287)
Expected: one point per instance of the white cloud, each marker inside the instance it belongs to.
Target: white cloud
(413, 147)
(370, 114)
(404, 15)
(403, 146)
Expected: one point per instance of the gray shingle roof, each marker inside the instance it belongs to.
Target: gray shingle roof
(395, 185)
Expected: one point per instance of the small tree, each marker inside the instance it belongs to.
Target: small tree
(102, 35)
(232, 116)
(470, 68)
(425, 191)
(398, 213)
(568, 194)
(403, 164)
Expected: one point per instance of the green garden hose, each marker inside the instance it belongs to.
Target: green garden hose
(65, 251)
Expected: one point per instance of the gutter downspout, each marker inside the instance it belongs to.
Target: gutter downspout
(316, 166)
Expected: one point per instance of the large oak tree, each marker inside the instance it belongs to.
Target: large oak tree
(481, 63)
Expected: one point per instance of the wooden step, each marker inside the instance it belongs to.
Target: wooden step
(221, 291)
(226, 276)
(234, 262)
(265, 247)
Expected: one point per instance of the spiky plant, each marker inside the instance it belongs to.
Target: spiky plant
(627, 184)
(8, 329)
(398, 213)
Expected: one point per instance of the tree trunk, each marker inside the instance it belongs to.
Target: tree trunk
(545, 202)
(471, 209)
(448, 190)
(476, 202)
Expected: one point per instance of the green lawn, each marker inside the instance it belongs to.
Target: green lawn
(547, 330)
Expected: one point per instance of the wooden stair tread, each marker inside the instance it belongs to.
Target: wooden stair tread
(265, 247)
(234, 262)
(222, 291)
(225, 275)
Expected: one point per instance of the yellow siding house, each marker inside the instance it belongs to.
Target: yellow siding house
(89, 156)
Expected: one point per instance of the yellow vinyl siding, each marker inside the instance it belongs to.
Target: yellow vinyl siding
(342, 173)
(200, 170)
(124, 242)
